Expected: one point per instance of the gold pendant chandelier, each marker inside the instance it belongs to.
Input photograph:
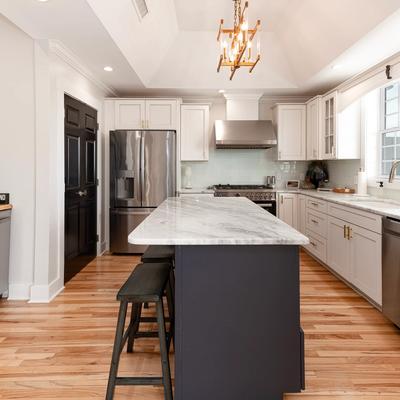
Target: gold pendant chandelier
(237, 43)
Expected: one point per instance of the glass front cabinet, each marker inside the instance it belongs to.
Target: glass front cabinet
(329, 121)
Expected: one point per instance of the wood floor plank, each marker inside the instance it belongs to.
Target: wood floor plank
(62, 350)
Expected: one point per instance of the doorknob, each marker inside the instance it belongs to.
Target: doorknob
(82, 193)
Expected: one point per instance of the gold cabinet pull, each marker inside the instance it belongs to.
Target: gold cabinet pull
(345, 231)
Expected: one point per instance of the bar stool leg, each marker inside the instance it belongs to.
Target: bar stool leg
(171, 314)
(164, 352)
(116, 350)
(136, 314)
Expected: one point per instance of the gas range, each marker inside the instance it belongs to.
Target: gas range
(262, 195)
(252, 192)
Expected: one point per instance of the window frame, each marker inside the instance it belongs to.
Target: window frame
(383, 130)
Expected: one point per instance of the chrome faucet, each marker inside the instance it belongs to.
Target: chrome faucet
(393, 170)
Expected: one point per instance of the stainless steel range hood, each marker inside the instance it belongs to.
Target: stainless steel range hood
(244, 134)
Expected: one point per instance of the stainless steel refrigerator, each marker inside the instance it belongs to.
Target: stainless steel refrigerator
(142, 176)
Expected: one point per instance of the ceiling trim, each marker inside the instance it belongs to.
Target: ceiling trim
(61, 51)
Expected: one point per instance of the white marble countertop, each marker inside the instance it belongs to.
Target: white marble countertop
(376, 205)
(213, 221)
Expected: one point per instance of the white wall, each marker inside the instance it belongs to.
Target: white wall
(17, 150)
(33, 80)
(242, 166)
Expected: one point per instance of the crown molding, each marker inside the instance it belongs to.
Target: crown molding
(243, 96)
(56, 47)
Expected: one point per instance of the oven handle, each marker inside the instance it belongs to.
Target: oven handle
(265, 205)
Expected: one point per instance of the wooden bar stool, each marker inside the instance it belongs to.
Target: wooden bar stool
(147, 283)
(160, 254)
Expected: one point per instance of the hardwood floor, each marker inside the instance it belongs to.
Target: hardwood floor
(62, 350)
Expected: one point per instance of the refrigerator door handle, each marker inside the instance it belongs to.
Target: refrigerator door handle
(142, 170)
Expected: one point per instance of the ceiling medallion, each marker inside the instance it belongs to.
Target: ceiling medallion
(237, 43)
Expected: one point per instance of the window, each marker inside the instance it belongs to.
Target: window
(390, 127)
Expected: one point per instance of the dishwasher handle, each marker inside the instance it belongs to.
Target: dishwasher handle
(391, 225)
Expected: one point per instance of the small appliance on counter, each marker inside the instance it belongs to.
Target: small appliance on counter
(293, 185)
(271, 182)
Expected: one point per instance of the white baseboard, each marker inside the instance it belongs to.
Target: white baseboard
(46, 293)
(19, 291)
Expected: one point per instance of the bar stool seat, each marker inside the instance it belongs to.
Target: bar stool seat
(159, 254)
(147, 283)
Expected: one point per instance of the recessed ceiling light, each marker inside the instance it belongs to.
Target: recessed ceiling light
(108, 69)
(43, 1)
(221, 91)
(336, 66)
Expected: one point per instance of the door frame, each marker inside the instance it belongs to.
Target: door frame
(64, 88)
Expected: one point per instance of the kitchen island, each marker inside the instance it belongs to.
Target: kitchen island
(238, 333)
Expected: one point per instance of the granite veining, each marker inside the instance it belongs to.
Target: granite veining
(213, 221)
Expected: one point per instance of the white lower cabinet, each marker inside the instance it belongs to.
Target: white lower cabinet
(338, 247)
(355, 253)
(365, 262)
(301, 213)
(287, 208)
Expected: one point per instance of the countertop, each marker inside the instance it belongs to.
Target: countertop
(376, 205)
(213, 221)
(5, 207)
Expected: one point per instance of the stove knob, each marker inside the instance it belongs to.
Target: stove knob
(237, 195)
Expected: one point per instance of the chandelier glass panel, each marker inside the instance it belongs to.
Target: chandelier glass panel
(237, 44)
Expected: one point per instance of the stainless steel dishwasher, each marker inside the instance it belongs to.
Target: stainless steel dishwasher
(391, 270)
(5, 218)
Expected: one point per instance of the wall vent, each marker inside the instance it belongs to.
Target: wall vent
(141, 8)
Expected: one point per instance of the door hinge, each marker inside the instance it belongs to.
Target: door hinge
(97, 181)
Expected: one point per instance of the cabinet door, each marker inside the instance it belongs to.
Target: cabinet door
(129, 114)
(292, 132)
(313, 128)
(288, 208)
(338, 248)
(301, 215)
(194, 132)
(328, 144)
(161, 114)
(366, 262)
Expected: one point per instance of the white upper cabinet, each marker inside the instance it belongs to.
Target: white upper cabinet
(146, 114)
(195, 125)
(341, 129)
(130, 114)
(290, 124)
(329, 121)
(314, 127)
(161, 114)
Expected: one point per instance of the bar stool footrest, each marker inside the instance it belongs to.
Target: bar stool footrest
(122, 381)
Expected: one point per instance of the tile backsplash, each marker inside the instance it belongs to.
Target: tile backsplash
(242, 167)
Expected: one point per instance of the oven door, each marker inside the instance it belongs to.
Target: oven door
(268, 205)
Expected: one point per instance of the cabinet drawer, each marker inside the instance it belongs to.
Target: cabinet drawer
(317, 205)
(317, 245)
(357, 217)
(316, 222)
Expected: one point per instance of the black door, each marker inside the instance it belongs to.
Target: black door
(80, 123)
